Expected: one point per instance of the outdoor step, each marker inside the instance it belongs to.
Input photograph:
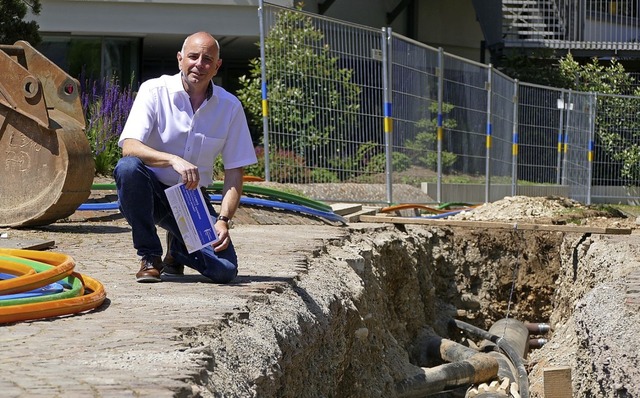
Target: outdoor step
(535, 33)
(531, 25)
(506, 3)
(535, 16)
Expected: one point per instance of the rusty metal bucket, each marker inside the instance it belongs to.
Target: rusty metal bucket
(46, 166)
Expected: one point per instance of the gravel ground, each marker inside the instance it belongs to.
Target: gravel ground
(297, 297)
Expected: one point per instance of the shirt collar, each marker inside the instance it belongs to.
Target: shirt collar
(209, 90)
(180, 87)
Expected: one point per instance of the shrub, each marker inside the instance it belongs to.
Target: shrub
(423, 148)
(313, 99)
(321, 175)
(399, 162)
(290, 167)
(106, 106)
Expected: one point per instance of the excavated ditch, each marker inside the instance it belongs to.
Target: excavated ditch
(353, 323)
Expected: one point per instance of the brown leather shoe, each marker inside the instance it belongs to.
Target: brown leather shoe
(150, 269)
(170, 266)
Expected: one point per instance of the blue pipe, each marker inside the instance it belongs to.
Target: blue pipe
(48, 289)
(100, 206)
(330, 216)
(445, 215)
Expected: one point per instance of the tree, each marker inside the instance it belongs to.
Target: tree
(423, 147)
(311, 97)
(12, 24)
(539, 66)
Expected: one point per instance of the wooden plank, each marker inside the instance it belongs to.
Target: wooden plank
(557, 382)
(355, 217)
(26, 244)
(346, 208)
(495, 225)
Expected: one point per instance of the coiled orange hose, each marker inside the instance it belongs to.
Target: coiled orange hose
(28, 280)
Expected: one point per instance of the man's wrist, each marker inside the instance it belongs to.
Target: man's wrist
(225, 219)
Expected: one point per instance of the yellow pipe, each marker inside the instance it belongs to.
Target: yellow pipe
(63, 267)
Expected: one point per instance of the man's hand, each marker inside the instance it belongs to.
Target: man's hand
(231, 192)
(155, 158)
(189, 172)
(222, 229)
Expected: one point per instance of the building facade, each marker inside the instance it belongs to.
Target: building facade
(140, 38)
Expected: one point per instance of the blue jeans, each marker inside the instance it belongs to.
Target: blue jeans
(144, 205)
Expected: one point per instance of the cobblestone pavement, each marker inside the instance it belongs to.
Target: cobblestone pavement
(129, 346)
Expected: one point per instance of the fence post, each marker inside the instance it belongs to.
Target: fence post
(514, 145)
(487, 189)
(569, 108)
(561, 105)
(592, 127)
(387, 111)
(440, 123)
(265, 105)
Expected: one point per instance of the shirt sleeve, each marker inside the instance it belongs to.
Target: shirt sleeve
(141, 118)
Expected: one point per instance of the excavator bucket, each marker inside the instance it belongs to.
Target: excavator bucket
(46, 165)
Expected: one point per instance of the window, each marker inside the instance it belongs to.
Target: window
(96, 57)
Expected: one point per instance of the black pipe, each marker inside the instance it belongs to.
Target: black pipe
(514, 332)
(450, 351)
(516, 359)
(479, 368)
(447, 350)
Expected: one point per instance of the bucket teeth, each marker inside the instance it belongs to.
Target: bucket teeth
(502, 388)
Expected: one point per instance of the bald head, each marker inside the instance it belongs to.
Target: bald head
(201, 36)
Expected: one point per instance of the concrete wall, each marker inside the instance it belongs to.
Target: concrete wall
(475, 193)
(162, 24)
(452, 25)
(138, 17)
(371, 13)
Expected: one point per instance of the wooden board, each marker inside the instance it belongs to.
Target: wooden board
(557, 382)
(346, 208)
(26, 244)
(411, 206)
(495, 225)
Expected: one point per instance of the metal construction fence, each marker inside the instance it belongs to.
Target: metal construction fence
(345, 103)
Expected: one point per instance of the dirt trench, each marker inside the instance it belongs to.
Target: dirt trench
(352, 324)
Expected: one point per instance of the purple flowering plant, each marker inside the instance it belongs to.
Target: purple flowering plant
(106, 104)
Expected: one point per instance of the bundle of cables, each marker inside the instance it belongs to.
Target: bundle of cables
(253, 195)
(35, 285)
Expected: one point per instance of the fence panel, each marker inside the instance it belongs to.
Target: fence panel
(616, 153)
(576, 170)
(325, 93)
(502, 127)
(415, 106)
(541, 115)
(465, 117)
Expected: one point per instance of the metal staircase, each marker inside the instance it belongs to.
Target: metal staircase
(529, 22)
(587, 28)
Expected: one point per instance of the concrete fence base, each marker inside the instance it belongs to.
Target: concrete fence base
(475, 193)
